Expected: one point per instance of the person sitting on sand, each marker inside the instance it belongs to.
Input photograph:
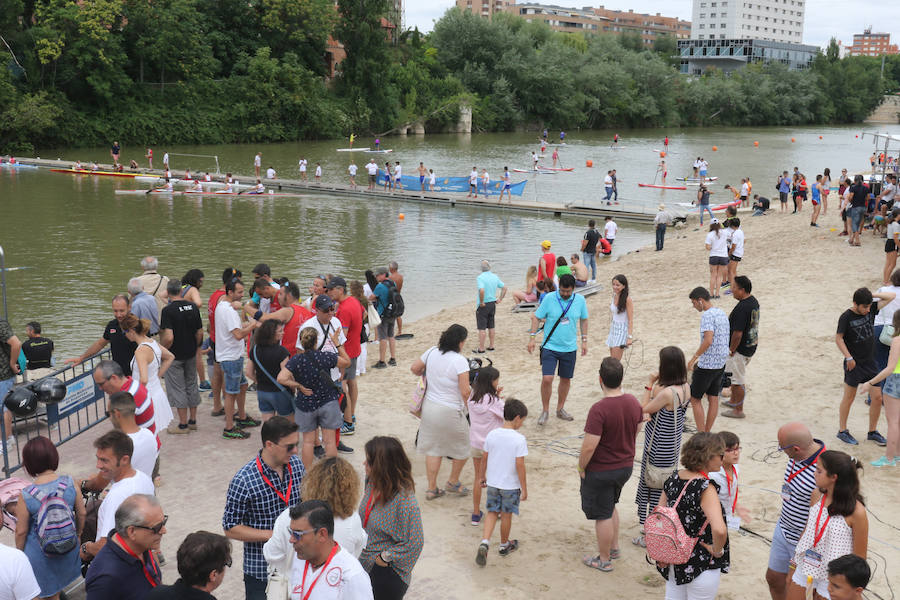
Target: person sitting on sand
(530, 293)
(562, 267)
(579, 270)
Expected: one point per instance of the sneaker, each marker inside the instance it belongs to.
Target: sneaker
(884, 461)
(876, 437)
(235, 434)
(565, 416)
(247, 422)
(392, 362)
(319, 452)
(205, 385)
(481, 557)
(176, 428)
(251, 387)
(508, 549)
(845, 437)
(354, 419)
(348, 428)
(380, 365)
(344, 449)
(543, 418)
(476, 518)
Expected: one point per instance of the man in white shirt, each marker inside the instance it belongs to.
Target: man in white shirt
(608, 185)
(322, 570)
(270, 173)
(303, 163)
(17, 581)
(610, 230)
(745, 192)
(352, 171)
(257, 163)
(146, 445)
(398, 176)
(473, 182)
(372, 170)
(735, 249)
(230, 355)
(114, 452)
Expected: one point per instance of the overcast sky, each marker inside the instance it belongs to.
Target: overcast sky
(824, 18)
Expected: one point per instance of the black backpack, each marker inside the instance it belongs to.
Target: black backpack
(395, 305)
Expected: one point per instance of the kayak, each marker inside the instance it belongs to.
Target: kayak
(377, 151)
(663, 187)
(557, 168)
(17, 166)
(696, 178)
(192, 193)
(538, 171)
(352, 149)
(99, 173)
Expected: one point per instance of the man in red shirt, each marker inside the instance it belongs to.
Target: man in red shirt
(292, 315)
(350, 314)
(217, 377)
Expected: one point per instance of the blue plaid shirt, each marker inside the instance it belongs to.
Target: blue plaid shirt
(252, 502)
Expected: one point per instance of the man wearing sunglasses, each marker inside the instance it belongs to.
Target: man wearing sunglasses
(258, 493)
(202, 560)
(320, 557)
(125, 569)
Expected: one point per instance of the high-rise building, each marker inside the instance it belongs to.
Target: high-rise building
(770, 20)
(872, 44)
(484, 8)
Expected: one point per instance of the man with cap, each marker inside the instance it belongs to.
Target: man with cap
(661, 221)
(381, 296)
(350, 315)
(326, 323)
(547, 262)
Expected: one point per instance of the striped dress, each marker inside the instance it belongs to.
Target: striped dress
(666, 440)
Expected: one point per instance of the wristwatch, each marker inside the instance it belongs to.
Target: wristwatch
(386, 556)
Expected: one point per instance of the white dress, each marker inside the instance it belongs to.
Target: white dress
(162, 412)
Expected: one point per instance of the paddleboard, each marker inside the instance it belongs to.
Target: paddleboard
(557, 168)
(378, 151)
(538, 172)
(716, 208)
(617, 146)
(696, 178)
(352, 149)
(17, 166)
(663, 187)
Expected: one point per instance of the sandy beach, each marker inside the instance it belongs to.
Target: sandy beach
(795, 375)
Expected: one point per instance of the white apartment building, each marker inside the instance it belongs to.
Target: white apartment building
(771, 20)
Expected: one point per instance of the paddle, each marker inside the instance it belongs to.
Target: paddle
(151, 190)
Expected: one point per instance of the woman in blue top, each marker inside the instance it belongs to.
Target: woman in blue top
(317, 402)
(53, 572)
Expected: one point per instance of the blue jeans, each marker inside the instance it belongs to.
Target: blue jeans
(609, 193)
(254, 589)
(707, 209)
(590, 260)
(660, 235)
(234, 375)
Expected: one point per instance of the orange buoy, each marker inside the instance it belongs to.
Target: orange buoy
(820, 137)
(401, 216)
(589, 163)
(756, 144)
(662, 154)
(715, 148)
(793, 140)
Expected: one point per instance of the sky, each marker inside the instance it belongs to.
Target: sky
(824, 18)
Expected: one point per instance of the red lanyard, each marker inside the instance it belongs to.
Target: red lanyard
(728, 480)
(316, 580)
(817, 532)
(705, 476)
(286, 498)
(369, 503)
(797, 472)
(152, 576)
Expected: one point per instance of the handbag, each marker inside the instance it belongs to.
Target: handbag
(280, 387)
(418, 397)
(277, 585)
(374, 317)
(887, 335)
(655, 477)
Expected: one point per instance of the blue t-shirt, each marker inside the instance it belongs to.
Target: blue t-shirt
(490, 283)
(565, 338)
(715, 320)
(785, 185)
(816, 195)
(382, 292)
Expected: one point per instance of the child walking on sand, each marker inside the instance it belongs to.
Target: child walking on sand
(727, 480)
(486, 415)
(504, 454)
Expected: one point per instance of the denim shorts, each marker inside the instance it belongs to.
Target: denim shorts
(234, 375)
(781, 553)
(892, 385)
(280, 403)
(327, 416)
(502, 501)
(566, 361)
(856, 217)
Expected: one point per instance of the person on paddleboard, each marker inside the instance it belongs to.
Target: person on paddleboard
(544, 135)
(543, 146)
(149, 156)
(562, 137)
(377, 144)
(666, 143)
(616, 139)
(352, 138)
(661, 168)
(114, 152)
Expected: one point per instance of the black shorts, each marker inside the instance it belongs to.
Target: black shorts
(861, 373)
(735, 258)
(600, 491)
(718, 260)
(706, 381)
(890, 246)
(484, 316)
(743, 199)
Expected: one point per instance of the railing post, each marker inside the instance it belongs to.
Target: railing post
(3, 281)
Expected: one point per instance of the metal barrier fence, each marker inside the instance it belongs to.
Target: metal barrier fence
(83, 407)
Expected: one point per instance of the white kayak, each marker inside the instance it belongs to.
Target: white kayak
(378, 151)
(353, 149)
(696, 178)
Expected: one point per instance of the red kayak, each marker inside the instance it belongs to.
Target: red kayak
(663, 187)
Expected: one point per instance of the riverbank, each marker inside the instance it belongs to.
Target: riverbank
(794, 375)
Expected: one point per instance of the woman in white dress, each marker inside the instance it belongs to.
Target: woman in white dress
(149, 364)
(622, 326)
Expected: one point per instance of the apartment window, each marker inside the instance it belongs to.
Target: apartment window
(724, 15)
(700, 37)
(702, 15)
(712, 4)
(721, 25)
(701, 26)
(724, 4)
(712, 15)
(703, 5)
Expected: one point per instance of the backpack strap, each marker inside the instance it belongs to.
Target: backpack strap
(683, 490)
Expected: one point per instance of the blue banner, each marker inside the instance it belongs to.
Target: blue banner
(455, 184)
(80, 392)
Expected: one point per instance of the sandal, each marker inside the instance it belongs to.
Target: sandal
(615, 553)
(457, 488)
(595, 562)
(639, 541)
(435, 493)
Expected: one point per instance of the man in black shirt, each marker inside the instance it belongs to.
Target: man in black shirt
(181, 331)
(760, 205)
(122, 348)
(38, 350)
(859, 195)
(856, 340)
(589, 249)
(744, 322)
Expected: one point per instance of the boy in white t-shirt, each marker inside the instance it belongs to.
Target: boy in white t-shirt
(352, 170)
(610, 230)
(504, 454)
(318, 172)
(735, 249)
(727, 480)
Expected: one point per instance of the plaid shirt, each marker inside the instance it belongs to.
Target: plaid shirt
(252, 502)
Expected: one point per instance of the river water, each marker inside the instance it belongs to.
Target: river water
(80, 242)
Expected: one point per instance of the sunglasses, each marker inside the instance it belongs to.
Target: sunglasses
(156, 529)
(289, 447)
(296, 535)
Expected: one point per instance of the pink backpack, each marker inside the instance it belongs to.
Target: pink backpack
(10, 489)
(666, 539)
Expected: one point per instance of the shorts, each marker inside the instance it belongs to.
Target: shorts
(610, 240)
(892, 385)
(815, 201)
(211, 355)
(702, 172)
(743, 199)
(890, 246)
(484, 316)
(277, 402)
(181, 383)
(733, 258)
(386, 328)
(502, 501)
(718, 261)
(820, 585)
(600, 491)
(737, 366)
(350, 372)
(372, 178)
(856, 217)
(861, 373)
(477, 452)
(566, 361)
(327, 416)
(782, 551)
(421, 179)
(706, 381)
(234, 375)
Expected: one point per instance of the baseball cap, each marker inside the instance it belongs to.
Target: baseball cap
(323, 302)
(662, 207)
(336, 282)
(545, 244)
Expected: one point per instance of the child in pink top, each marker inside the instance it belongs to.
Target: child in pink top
(485, 415)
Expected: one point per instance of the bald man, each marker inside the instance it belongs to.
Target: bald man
(795, 440)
